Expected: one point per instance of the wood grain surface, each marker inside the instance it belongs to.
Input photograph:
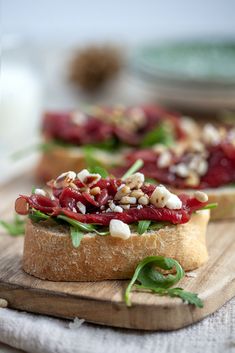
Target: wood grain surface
(102, 302)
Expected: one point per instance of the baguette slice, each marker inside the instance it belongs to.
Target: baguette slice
(49, 253)
(224, 196)
(55, 161)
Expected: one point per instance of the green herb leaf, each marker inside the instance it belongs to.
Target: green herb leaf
(146, 277)
(150, 278)
(134, 168)
(143, 226)
(158, 225)
(210, 206)
(76, 236)
(37, 216)
(79, 225)
(85, 227)
(161, 134)
(16, 227)
(188, 297)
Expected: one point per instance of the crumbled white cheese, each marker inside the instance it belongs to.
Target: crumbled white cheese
(210, 135)
(81, 207)
(164, 160)
(180, 169)
(40, 192)
(125, 207)
(83, 174)
(160, 196)
(119, 229)
(188, 125)
(78, 117)
(115, 208)
(174, 203)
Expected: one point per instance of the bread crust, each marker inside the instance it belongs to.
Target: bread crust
(57, 160)
(60, 159)
(49, 253)
(224, 196)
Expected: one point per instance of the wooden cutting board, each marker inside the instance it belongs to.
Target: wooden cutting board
(102, 302)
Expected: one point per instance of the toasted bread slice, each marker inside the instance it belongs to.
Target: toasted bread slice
(49, 253)
(56, 160)
(224, 196)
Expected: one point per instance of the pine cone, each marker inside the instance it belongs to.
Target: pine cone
(93, 66)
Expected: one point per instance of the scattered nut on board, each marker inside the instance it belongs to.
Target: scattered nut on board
(3, 303)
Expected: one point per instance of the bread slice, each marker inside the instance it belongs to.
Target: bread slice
(59, 159)
(224, 196)
(49, 253)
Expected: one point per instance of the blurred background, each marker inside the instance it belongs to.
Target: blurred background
(66, 54)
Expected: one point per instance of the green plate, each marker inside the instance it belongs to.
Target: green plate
(196, 62)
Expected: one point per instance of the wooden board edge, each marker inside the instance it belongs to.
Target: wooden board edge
(108, 313)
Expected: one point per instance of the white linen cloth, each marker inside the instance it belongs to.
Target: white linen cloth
(41, 334)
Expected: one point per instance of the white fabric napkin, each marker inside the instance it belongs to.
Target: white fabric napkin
(41, 334)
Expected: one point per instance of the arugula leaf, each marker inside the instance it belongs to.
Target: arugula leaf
(189, 297)
(85, 227)
(76, 236)
(134, 168)
(158, 225)
(147, 277)
(37, 216)
(161, 134)
(143, 226)
(209, 206)
(81, 226)
(151, 278)
(16, 227)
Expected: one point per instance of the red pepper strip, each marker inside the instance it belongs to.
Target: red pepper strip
(129, 216)
(22, 205)
(69, 197)
(103, 197)
(191, 203)
(39, 202)
(90, 199)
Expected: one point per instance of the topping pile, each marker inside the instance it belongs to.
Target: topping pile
(205, 163)
(128, 126)
(90, 199)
